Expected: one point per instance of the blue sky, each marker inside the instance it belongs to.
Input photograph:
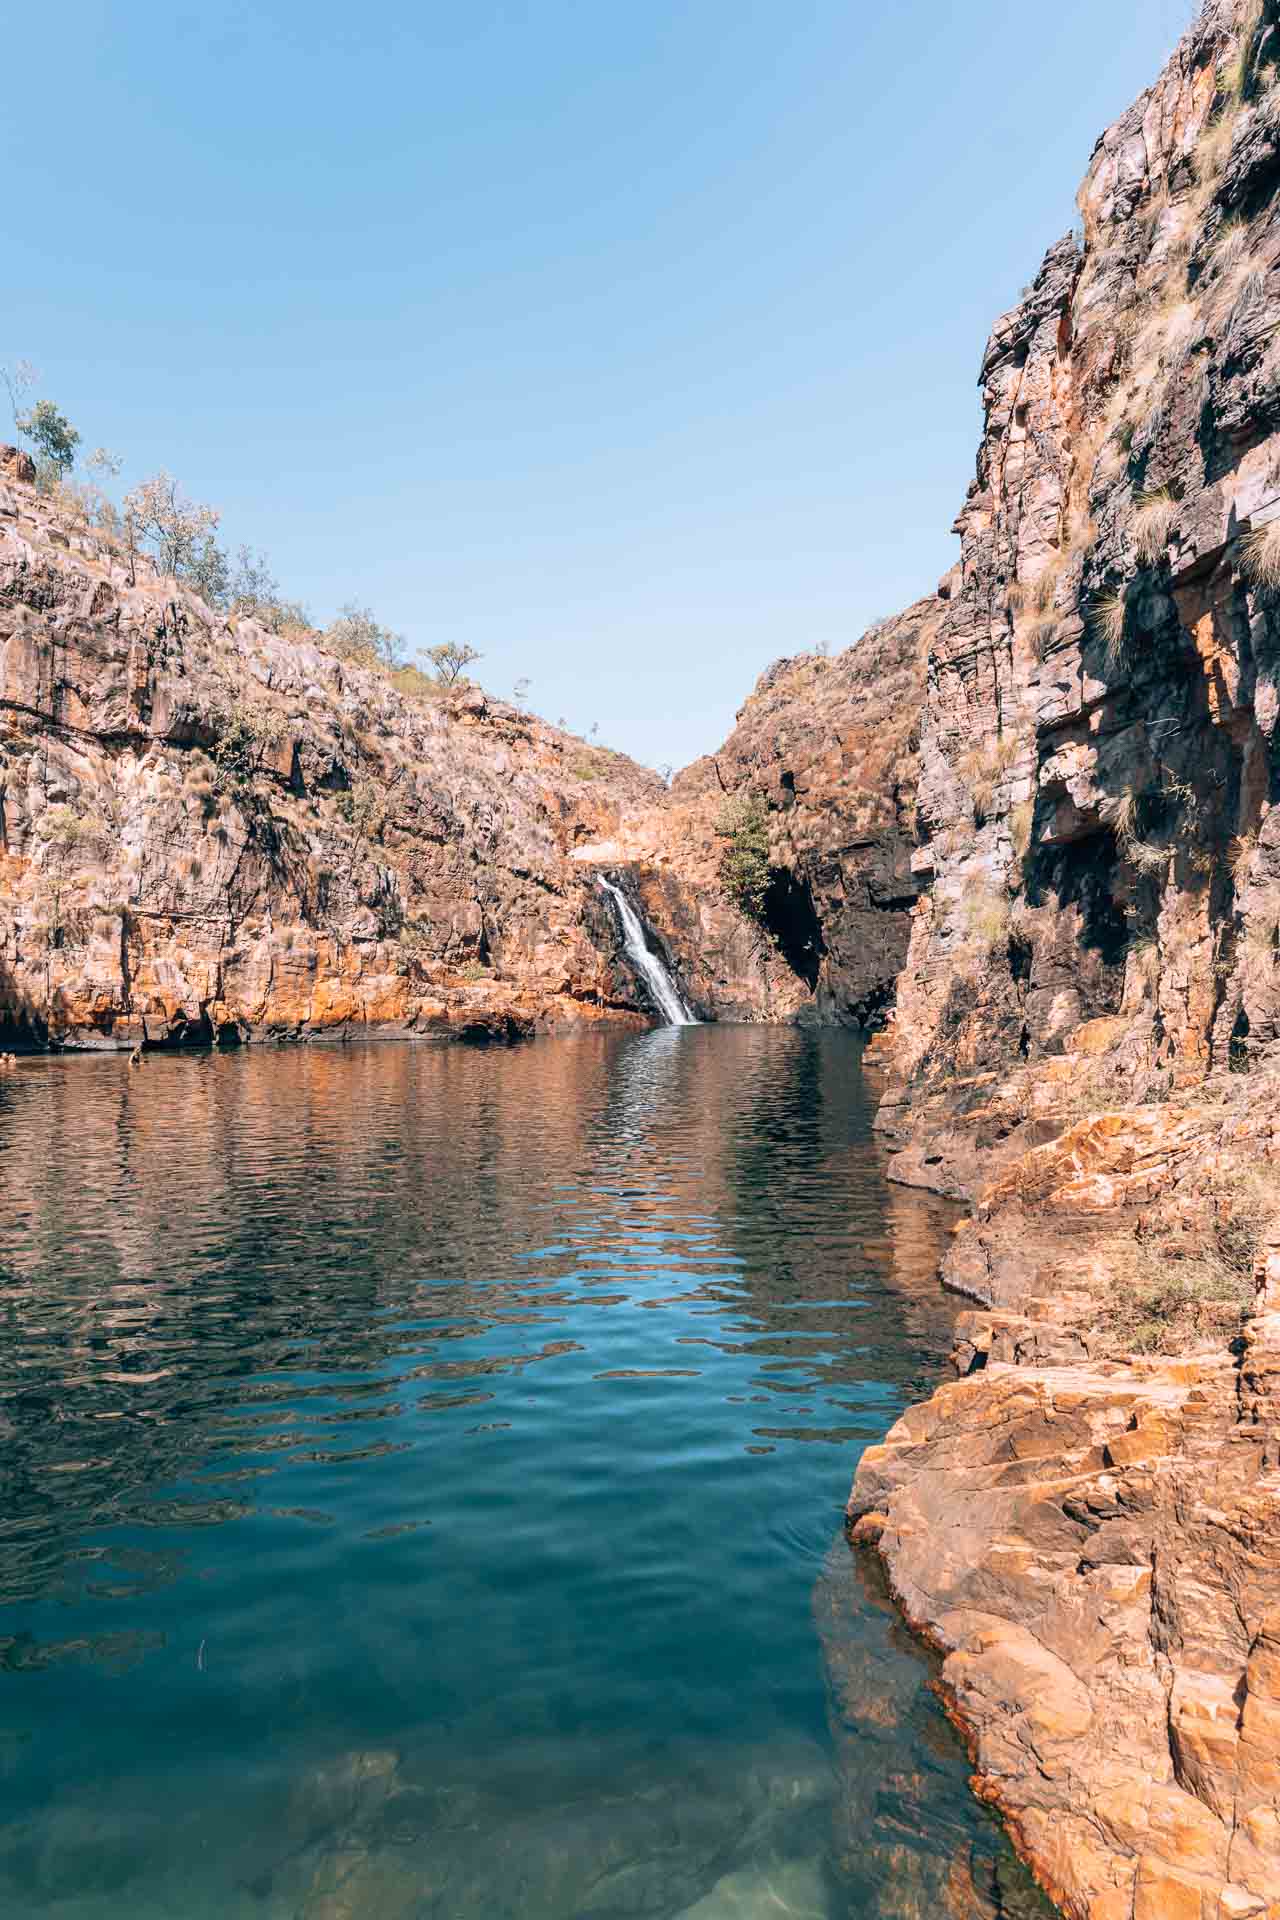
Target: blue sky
(631, 343)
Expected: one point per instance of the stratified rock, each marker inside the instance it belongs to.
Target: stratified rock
(1096, 807)
(1086, 1024)
(211, 831)
(1092, 1538)
(827, 748)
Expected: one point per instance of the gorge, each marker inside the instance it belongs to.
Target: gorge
(1020, 834)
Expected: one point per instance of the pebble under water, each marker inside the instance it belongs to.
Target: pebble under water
(422, 1478)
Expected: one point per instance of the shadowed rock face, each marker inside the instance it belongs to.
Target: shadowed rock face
(208, 831)
(829, 748)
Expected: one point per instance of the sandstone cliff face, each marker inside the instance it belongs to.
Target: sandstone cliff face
(1086, 1523)
(829, 748)
(1097, 757)
(1092, 1539)
(211, 832)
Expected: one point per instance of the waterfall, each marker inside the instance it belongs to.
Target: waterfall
(663, 990)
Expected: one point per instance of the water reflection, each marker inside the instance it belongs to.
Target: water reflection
(420, 1473)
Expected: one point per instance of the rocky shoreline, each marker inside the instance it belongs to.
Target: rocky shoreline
(214, 833)
(1091, 1537)
(1086, 1523)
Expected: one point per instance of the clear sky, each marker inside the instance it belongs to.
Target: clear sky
(632, 342)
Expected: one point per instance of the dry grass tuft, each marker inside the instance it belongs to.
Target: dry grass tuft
(1166, 1293)
(1121, 814)
(1162, 1302)
(1144, 957)
(1145, 857)
(1262, 555)
(1046, 587)
(1240, 858)
(986, 919)
(1151, 524)
(983, 768)
(1021, 823)
(1233, 74)
(1231, 245)
(1213, 148)
(1253, 286)
(1043, 635)
(1109, 618)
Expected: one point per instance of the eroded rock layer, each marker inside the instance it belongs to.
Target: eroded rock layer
(208, 831)
(827, 749)
(1087, 1523)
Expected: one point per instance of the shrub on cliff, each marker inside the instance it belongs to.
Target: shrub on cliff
(355, 635)
(53, 437)
(242, 733)
(1262, 555)
(178, 533)
(745, 872)
(364, 808)
(450, 661)
(51, 434)
(253, 590)
(1152, 520)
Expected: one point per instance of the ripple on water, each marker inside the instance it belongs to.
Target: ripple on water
(420, 1476)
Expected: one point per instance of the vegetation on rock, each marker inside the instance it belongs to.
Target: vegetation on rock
(745, 872)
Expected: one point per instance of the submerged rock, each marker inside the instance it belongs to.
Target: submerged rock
(527, 1838)
(786, 1890)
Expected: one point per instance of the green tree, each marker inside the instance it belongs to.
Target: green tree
(177, 530)
(254, 590)
(450, 660)
(208, 572)
(745, 872)
(52, 435)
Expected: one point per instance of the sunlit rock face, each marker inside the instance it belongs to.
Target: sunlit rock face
(1085, 1524)
(827, 748)
(209, 831)
(1097, 756)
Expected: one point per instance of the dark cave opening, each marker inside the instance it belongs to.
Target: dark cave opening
(793, 923)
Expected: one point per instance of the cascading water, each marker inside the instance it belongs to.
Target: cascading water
(666, 995)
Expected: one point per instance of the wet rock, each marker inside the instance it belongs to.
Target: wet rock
(789, 1890)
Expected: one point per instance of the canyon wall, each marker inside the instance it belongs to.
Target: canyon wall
(1030, 825)
(828, 748)
(1086, 1524)
(1097, 755)
(212, 832)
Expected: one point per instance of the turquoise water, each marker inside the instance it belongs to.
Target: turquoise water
(422, 1475)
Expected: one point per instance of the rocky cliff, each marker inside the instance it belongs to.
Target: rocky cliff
(1031, 822)
(1097, 744)
(209, 831)
(828, 748)
(1087, 1523)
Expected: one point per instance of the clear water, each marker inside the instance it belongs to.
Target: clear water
(421, 1480)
